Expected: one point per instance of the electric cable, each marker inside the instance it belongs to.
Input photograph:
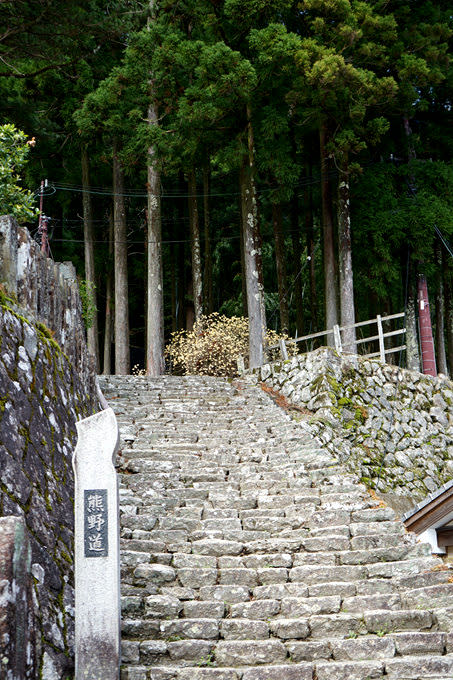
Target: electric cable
(108, 191)
(444, 240)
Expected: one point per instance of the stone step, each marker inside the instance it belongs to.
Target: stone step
(249, 553)
(441, 595)
(415, 668)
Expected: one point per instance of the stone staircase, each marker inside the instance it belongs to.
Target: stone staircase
(249, 554)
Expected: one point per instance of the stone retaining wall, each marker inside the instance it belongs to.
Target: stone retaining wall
(392, 426)
(42, 395)
(47, 382)
(47, 290)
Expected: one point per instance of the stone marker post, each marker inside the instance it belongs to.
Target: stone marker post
(97, 579)
(8, 253)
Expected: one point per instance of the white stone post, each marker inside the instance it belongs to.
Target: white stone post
(283, 349)
(381, 338)
(337, 338)
(97, 568)
(8, 253)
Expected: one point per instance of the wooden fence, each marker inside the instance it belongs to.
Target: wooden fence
(335, 333)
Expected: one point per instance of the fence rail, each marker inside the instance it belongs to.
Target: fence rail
(336, 333)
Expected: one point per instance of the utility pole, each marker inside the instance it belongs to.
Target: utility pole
(426, 333)
(44, 235)
(43, 220)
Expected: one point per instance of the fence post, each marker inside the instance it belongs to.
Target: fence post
(97, 577)
(283, 349)
(381, 338)
(241, 364)
(337, 338)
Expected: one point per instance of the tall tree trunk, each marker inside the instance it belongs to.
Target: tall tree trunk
(122, 356)
(440, 311)
(173, 262)
(197, 283)
(155, 308)
(90, 275)
(252, 253)
(155, 364)
(242, 242)
(189, 308)
(411, 155)
(310, 241)
(330, 267)
(209, 303)
(297, 263)
(109, 304)
(345, 252)
(280, 260)
(412, 346)
(174, 286)
(181, 256)
(413, 360)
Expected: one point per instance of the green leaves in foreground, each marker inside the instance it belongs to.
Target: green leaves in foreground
(14, 149)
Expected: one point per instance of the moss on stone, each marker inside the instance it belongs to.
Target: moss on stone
(335, 385)
(361, 413)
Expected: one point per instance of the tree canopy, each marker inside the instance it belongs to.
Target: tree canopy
(313, 136)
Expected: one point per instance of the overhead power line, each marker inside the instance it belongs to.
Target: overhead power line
(108, 191)
(214, 239)
(444, 240)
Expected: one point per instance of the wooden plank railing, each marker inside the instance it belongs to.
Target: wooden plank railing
(336, 333)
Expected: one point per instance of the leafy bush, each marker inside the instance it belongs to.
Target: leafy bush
(14, 148)
(214, 344)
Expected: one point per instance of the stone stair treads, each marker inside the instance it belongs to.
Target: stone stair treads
(249, 553)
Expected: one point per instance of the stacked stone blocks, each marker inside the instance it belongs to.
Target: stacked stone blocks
(391, 426)
(249, 553)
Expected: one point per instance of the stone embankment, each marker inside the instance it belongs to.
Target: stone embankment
(391, 426)
(249, 553)
(47, 382)
(41, 398)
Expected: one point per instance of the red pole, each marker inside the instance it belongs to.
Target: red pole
(426, 333)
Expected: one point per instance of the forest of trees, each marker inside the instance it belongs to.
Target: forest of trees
(290, 161)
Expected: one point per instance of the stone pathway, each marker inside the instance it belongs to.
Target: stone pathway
(249, 554)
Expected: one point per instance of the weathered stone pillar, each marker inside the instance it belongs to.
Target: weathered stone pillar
(8, 253)
(27, 272)
(17, 651)
(97, 581)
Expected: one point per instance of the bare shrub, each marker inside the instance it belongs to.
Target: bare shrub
(214, 344)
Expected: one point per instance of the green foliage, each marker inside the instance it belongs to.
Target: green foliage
(87, 290)
(14, 149)
(356, 68)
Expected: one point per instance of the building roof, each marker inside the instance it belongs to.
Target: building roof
(435, 510)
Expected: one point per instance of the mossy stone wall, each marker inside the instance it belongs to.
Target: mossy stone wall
(392, 426)
(41, 396)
